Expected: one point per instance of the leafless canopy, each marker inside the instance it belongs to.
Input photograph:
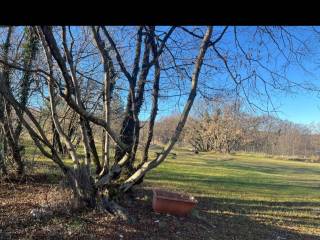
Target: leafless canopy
(80, 75)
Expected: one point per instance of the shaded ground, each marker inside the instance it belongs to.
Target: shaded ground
(17, 222)
(240, 197)
(212, 219)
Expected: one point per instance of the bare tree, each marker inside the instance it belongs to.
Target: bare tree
(64, 81)
(82, 66)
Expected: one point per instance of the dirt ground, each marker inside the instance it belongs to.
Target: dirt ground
(20, 217)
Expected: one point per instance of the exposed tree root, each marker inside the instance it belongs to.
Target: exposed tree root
(114, 208)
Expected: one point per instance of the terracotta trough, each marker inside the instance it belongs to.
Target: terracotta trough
(172, 203)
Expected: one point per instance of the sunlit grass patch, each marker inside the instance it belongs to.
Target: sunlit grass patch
(274, 191)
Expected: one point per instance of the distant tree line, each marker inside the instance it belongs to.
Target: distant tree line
(224, 126)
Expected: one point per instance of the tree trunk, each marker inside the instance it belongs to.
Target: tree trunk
(82, 185)
(3, 168)
(154, 109)
(18, 160)
(107, 112)
(14, 149)
(126, 132)
(147, 166)
(56, 142)
(92, 146)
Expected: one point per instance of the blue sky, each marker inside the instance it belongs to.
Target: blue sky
(300, 106)
(297, 105)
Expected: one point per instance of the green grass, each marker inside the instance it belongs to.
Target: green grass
(250, 196)
(274, 192)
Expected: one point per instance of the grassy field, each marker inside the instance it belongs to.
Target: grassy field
(241, 196)
(253, 195)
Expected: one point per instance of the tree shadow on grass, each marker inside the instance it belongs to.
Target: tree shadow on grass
(243, 182)
(246, 219)
(232, 164)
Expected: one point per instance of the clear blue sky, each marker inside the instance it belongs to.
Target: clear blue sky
(296, 105)
(300, 106)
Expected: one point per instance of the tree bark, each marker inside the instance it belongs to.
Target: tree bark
(92, 147)
(147, 166)
(56, 142)
(3, 168)
(6, 117)
(131, 124)
(154, 109)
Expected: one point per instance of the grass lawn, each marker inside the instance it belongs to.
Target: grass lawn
(247, 195)
(241, 196)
